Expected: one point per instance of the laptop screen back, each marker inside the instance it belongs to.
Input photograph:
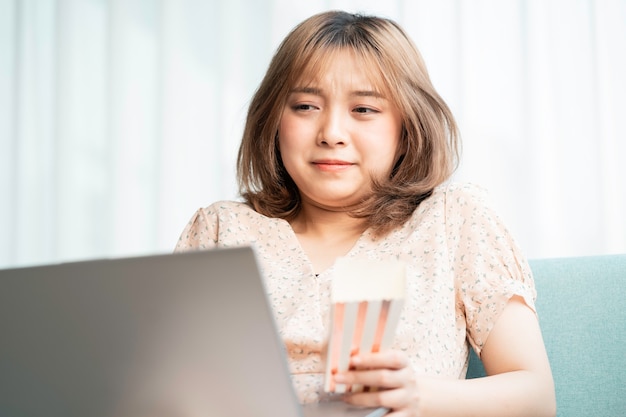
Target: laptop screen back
(170, 335)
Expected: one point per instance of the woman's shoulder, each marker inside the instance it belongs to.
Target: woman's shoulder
(461, 192)
(236, 215)
(449, 203)
(224, 222)
(225, 210)
(457, 199)
(227, 206)
(450, 198)
(465, 202)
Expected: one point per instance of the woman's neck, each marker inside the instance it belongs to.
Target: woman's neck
(326, 235)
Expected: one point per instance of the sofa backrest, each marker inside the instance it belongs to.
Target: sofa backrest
(581, 305)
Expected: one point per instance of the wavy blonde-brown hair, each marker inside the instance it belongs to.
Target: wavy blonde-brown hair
(429, 143)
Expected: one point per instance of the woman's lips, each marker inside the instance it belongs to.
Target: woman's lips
(332, 165)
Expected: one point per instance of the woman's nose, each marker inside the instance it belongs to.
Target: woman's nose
(333, 130)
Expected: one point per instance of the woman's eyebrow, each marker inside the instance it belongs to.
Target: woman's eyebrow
(367, 93)
(318, 92)
(307, 90)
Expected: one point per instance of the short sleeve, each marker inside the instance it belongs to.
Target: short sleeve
(489, 267)
(199, 233)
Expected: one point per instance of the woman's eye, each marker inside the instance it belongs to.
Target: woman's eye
(303, 107)
(364, 110)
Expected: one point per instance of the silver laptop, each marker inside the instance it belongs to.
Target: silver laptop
(178, 335)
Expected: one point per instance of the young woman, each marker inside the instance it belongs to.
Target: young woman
(346, 151)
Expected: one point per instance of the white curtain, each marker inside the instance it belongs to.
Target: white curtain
(118, 118)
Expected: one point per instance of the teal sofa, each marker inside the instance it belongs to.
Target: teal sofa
(582, 310)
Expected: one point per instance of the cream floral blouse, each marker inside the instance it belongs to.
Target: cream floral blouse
(462, 268)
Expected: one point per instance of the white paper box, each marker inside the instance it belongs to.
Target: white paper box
(367, 299)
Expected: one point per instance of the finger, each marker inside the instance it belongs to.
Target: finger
(390, 359)
(380, 378)
(395, 399)
(404, 412)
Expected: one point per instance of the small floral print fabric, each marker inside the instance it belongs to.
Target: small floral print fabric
(462, 268)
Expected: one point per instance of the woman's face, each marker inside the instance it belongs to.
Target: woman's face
(336, 133)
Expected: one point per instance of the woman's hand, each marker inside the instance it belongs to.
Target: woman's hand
(393, 380)
(519, 383)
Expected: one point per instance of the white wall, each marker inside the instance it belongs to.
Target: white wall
(119, 118)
